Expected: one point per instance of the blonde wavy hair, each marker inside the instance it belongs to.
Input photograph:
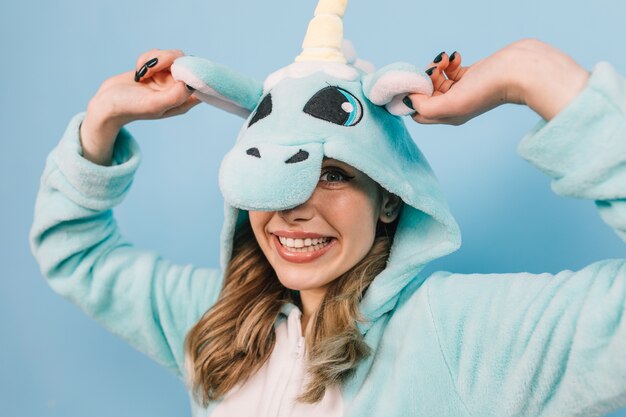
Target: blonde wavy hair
(236, 336)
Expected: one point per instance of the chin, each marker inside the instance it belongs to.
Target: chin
(300, 280)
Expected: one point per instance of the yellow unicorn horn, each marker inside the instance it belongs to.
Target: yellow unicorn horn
(324, 37)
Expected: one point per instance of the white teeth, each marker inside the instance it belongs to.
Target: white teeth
(303, 245)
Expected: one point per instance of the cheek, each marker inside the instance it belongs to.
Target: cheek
(355, 217)
(258, 222)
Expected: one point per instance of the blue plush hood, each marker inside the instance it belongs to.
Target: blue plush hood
(315, 109)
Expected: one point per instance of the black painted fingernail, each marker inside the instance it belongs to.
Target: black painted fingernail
(142, 71)
(438, 58)
(190, 88)
(430, 70)
(452, 56)
(407, 102)
(152, 62)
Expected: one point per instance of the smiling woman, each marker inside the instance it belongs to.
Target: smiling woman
(325, 253)
(334, 243)
(313, 243)
(322, 305)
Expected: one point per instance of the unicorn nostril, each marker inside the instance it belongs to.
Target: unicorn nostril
(299, 157)
(254, 152)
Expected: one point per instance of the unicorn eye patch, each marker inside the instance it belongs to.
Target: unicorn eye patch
(335, 105)
(263, 110)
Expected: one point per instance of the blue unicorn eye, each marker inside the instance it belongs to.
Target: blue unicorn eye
(335, 105)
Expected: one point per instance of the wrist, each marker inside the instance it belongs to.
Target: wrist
(98, 133)
(551, 82)
(548, 101)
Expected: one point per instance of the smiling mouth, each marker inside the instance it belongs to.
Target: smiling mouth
(304, 245)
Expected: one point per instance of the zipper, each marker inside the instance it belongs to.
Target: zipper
(297, 356)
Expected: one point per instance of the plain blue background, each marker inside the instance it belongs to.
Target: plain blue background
(55, 361)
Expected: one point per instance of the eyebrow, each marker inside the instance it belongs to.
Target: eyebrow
(339, 164)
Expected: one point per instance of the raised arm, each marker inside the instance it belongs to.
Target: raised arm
(546, 345)
(526, 72)
(136, 294)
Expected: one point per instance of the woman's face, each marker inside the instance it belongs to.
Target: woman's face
(314, 243)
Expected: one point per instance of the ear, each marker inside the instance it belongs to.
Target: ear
(217, 85)
(390, 207)
(390, 85)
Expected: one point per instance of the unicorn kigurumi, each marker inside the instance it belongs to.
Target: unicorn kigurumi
(323, 305)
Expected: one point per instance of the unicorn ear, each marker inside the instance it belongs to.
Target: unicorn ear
(217, 85)
(390, 85)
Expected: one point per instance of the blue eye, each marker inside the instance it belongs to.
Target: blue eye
(335, 105)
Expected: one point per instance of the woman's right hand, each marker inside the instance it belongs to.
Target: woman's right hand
(148, 93)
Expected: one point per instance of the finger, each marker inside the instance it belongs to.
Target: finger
(455, 71)
(156, 53)
(436, 77)
(183, 108)
(154, 61)
(423, 120)
(164, 100)
(438, 106)
(455, 121)
(445, 86)
(145, 57)
(435, 109)
(440, 61)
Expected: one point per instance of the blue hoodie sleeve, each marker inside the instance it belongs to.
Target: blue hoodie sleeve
(549, 345)
(147, 300)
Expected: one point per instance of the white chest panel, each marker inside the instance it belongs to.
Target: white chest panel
(273, 390)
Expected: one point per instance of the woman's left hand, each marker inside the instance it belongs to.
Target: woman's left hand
(526, 72)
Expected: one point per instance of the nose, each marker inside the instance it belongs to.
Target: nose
(300, 213)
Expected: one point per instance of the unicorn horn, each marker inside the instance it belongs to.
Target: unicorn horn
(324, 37)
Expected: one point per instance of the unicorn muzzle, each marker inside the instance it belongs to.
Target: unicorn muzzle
(268, 177)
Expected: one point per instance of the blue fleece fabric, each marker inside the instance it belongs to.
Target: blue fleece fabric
(444, 345)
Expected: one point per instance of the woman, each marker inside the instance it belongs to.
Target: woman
(323, 308)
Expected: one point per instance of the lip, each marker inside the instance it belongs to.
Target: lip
(300, 257)
(298, 235)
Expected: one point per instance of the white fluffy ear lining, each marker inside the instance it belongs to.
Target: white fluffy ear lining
(218, 85)
(392, 84)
